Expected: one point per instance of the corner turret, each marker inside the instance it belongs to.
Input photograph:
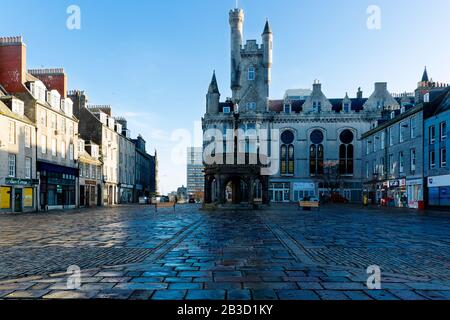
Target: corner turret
(213, 96)
(267, 38)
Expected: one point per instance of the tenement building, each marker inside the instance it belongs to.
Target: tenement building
(319, 149)
(90, 174)
(43, 92)
(437, 144)
(18, 184)
(127, 162)
(98, 125)
(393, 157)
(397, 150)
(146, 170)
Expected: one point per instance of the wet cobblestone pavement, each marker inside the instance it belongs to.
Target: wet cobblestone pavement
(132, 252)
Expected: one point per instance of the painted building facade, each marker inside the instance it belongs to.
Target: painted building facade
(436, 146)
(91, 174)
(18, 177)
(44, 94)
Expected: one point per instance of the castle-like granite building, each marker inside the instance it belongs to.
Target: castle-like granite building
(319, 150)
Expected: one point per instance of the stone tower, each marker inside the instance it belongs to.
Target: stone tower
(237, 35)
(251, 66)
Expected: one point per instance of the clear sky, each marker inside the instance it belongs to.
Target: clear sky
(153, 60)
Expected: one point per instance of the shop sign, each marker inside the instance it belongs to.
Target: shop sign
(439, 181)
(397, 183)
(90, 182)
(414, 182)
(21, 182)
(59, 189)
(304, 186)
(126, 186)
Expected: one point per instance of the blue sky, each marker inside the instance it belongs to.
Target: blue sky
(153, 60)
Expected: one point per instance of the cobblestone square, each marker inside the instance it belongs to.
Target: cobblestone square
(133, 252)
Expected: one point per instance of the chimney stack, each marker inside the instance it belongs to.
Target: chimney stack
(359, 94)
(54, 79)
(13, 67)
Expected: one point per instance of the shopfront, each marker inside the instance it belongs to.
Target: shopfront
(90, 192)
(280, 192)
(126, 193)
(415, 193)
(304, 189)
(110, 194)
(395, 193)
(439, 191)
(58, 186)
(18, 195)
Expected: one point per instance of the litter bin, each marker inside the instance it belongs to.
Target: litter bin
(421, 205)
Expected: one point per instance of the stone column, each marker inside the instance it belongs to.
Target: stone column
(265, 191)
(221, 189)
(207, 190)
(250, 192)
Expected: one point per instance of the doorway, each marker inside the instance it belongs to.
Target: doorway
(18, 200)
(82, 197)
(280, 192)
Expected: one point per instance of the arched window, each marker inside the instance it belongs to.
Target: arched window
(346, 153)
(316, 153)
(287, 153)
(251, 73)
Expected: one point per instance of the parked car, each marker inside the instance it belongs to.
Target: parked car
(192, 200)
(337, 198)
(143, 200)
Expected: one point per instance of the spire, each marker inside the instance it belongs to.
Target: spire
(267, 28)
(425, 76)
(213, 87)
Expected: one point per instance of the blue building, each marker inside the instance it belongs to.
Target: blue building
(436, 144)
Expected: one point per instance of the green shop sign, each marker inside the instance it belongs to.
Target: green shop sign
(21, 182)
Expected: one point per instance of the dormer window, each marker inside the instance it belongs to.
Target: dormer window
(67, 107)
(287, 108)
(80, 146)
(17, 106)
(403, 110)
(346, 107)
(94, 151)
(111, 123)
(392, 114)
(226, 110)
(104, 118)
(251, 73)
(55, 99)
(251, 106)
(317, 106)
(38, 90)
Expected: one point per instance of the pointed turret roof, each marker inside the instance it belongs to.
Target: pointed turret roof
(267, 28)
(425, 75)
(213, 87)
